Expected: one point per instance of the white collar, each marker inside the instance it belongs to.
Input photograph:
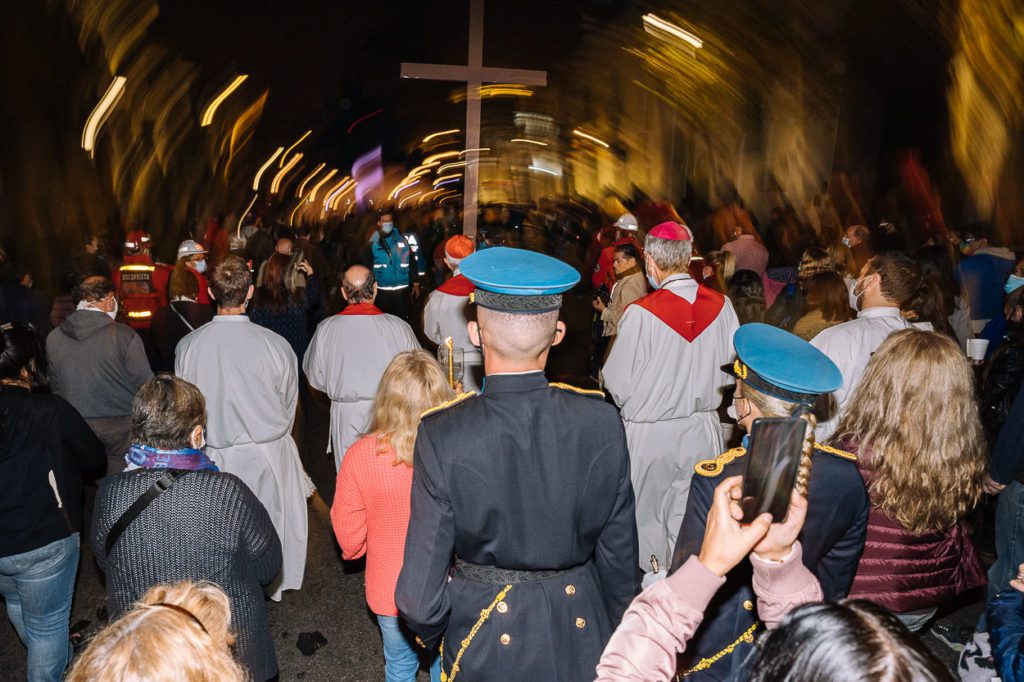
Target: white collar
(880, 311)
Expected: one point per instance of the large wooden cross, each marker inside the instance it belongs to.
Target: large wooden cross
(474, 74)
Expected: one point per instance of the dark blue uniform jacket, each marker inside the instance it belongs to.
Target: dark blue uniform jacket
(531, 477)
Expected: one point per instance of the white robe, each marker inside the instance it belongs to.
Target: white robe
(850, 346)
(346, 359)
(668, 390)
(249, 377)
(445, 315)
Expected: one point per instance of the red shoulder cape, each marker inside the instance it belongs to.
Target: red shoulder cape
(361, 309)
(686, 319)
(459, 285)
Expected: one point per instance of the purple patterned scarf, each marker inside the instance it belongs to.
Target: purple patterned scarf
(186, 459)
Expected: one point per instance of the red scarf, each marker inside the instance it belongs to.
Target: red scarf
(686, 319)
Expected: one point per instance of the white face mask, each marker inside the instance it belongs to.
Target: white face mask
(85, 305)
(855, 295)
(846, 242)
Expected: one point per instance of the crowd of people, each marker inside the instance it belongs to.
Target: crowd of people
(515, 527)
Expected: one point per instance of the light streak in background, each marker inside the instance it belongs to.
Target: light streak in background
(263, 169)
(496, 90)
(294, 145)
(435, 159)
(100, 113)
(523, 139)
(418, 171)
(401, 188)
(316, 188)
(450, 196)
(430, 137)
(449, 166)
(475, 149)
(654, 22)
(360, 120)
(238, 230)
(448, 181)
(411, 196)
(426, 195)
(276, 184)
(549, 171)
(368, 172)
(302, 185)
(243, 129)
(345, 190)
(291, 218)
(587, 136)
(140, 313)
(333, 192)
(211, 108)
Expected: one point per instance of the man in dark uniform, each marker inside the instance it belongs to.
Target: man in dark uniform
(791, 373)
(525, 489)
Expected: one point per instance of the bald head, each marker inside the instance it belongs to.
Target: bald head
(284, 246)
(359, 285)
(519, 338)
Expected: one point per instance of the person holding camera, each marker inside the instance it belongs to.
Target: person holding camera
(777, 374)
(629, 286)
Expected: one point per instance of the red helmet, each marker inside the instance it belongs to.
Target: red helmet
(137, 240)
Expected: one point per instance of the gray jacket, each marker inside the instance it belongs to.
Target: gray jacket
(96, 364)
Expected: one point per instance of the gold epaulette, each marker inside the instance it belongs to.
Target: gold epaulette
(445, 405)
(576, 389)
(841, 454)
(712, 467)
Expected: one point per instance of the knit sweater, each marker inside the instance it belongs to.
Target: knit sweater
(207, 526)
(370, 517)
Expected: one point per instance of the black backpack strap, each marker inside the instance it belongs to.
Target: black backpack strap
(163, 483)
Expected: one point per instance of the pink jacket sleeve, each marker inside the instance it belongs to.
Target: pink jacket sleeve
(657, 625)
(348, 513)
(781, 587)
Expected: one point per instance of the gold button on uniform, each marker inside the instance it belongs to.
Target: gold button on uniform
(502, 607)
(748, 605)
(505, 639)
(580, 623)
(570, 590)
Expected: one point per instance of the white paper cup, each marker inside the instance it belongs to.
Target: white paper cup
(976, 348)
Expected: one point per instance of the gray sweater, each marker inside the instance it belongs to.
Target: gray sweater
(207, 526)
(96, 364)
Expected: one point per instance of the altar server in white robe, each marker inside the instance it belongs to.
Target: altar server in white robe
(664, 373)
(348, 355)
(250, 378)
(888, 283)
(446, 313)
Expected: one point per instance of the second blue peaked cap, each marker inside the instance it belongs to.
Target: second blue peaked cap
(782, 365)
(517, 280)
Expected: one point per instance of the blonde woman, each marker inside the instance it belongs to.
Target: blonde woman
(913, 422)
(175, 632)
(371, 500)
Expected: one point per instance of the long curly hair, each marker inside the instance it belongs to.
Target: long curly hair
(914, 418)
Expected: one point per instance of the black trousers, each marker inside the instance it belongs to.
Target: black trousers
(395, 302)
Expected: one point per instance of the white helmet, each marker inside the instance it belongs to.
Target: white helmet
(627, 222)
(190, 247)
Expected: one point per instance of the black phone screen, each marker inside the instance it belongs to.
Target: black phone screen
(773, 459)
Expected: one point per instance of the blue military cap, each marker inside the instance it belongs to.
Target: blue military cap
(518, 281)
(782, 365)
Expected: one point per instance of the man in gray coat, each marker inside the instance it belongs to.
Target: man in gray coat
(97, 364)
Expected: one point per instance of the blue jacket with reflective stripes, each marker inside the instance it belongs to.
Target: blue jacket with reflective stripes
(397, 259)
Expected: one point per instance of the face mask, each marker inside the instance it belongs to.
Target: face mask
(113, 313)
(650, 280)
(855, 295)
(846, 242)
(199, 266)
(1013, 283)
(733, 413)
(386, 228)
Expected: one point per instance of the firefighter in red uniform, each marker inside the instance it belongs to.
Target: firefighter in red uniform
(625, 233)
(137, 281)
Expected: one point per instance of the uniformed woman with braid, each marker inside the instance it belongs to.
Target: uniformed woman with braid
(777, 374)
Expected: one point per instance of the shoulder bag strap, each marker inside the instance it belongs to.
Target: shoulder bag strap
(163, 483)
(181, 317)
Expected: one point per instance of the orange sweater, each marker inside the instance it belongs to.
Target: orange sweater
(370, 516)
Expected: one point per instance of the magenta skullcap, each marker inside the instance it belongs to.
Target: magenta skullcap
(671, 231)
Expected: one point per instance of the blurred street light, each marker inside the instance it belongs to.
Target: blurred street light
(211, 108)
(100, 112)
(653, 24)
